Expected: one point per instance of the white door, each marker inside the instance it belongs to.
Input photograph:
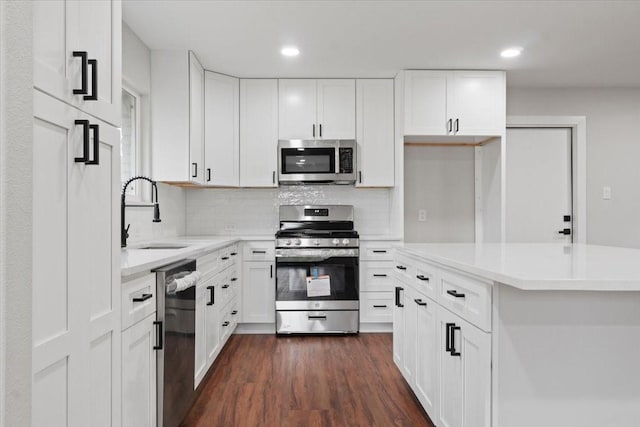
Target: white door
(221, 130)
(375, 132)
(538, 185)
(426, 373)
(476, 102)
(258, 292)
(196, 120)
(336, 113)
(425, 102)
(451, 372)
(398, 327)
(297, 109)
(409, 338)
(211, 320)
(139, 374)
(200, 367)
(258, 132)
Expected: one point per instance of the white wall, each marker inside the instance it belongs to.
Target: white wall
(441, 181)
(136, 74)
(613, 153)
(255, 211)
(16, 160)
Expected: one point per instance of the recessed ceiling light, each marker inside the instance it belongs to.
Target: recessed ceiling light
(290, 51)
(512, 52)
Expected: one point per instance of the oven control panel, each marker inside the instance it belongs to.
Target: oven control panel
(320, 253)
(306, 242)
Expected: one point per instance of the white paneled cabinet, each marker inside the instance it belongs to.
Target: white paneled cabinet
(221, 130)
(90, 79)
(196, 119)
(426, 370)
(454, 103)
(375, 132)
(316, 109)
(258, 132)
(258, 292)
(398, 326)
(76, 267)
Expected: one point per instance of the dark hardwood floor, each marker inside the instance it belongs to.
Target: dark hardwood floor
(261, 380)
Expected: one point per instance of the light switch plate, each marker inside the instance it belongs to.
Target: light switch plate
(422, 215)
(606, 193)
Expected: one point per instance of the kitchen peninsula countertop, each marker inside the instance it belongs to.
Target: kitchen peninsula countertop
(531, 266)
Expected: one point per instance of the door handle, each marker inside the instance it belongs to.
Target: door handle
(565, 231)
(314, 130)
(234, 312)
(225, 323)
(208, 174)
(456, 294)
(379, 275)
(380, 306)
(85, 141)
(225, 286)
(320, 130)
(398, 289)
(379, 251)
(142, 297)
(450, 125)
(94, 80)
(452, 349)
(273, 177)
(212, 295)
(159, 336)
(317, 317)
(359, 177)
(457, 126)
(271, 271)
(83, 83)
(95, 129)
(401, 267)
(195, 170)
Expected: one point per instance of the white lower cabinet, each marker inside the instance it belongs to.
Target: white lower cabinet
(376, 282)
(426, 370)
(139, 374)
(398, 327)
(258, 301)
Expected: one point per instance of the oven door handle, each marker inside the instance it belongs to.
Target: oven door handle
(304, 258)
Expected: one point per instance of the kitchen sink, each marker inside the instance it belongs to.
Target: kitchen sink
(162, 246)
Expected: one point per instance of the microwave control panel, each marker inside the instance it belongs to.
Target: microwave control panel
(346, 160)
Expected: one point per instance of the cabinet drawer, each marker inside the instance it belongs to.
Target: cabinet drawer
(426, 279)
(376, 276)
(376, 306)
(466, 296)
(371, 251)
(138, 299)
(208, 264)
(259, 251)
(404, 269)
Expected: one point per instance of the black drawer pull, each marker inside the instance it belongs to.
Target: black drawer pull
(421, 277)
(225, 323)
(398, 289)
(233, 279)
(233, 253)
(212, 295)
(160, 336)
(379, 251)
(195, 170)
(380, 306)
(317, 317)
(259, 252)
(142, 297)
(401, 267)
(420, 302)
(455, 294)
(224, 258)
(451, 339)
(225, 286)
(379, 275)
(96, 145)
(234, 312)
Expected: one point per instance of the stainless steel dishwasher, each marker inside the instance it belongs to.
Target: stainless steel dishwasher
(176, 318)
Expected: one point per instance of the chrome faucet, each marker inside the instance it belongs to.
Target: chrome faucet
(124, 232)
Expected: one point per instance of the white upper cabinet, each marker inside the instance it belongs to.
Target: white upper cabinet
(258, 132)
(177, 117)
(77, 54)
(375, 132)
(221, 130)
(454, 103)
(297, 109)
(317, 109)
(336, 113)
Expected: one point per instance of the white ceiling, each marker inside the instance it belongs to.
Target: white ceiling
(566, 43)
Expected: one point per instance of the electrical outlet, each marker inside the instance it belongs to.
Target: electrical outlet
(606, 193)
(229, 228)
(422, 215)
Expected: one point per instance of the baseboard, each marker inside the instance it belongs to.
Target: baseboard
(376, 327)
(270, 328)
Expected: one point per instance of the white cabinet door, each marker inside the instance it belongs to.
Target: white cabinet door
(425, 102)
(297, 109)
(409, 338)
(76, 281)
(258, 132)
(200, 368)
(258, 292)
(477, 102)
(398, 327)
(375, 133)
(196, 119)
(62, 27)
(211, 321)
(465, 372)
(336, 113)
(426, 373)
(139, 374)
(221, 130)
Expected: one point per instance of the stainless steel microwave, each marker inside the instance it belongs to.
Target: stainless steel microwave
(316, 161)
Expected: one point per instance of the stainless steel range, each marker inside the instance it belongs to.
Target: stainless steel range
(317, 265)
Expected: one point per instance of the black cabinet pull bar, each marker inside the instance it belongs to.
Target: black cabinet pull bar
(380, 306)
(317, 317)
(379, 251)
(455, 294)
(94, 81)
(95, 129)
(398, 289)
(85, 141)
(212, 295)
(421, 277)
(160, 336)
(401, 267)
(420, 302)
(142, 297)
(379, 275)
(83, 83)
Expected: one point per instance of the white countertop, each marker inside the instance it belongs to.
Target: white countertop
(539, 266)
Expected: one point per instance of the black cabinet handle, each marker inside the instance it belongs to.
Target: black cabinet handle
(452, 349)
(455, 294)
(401, 267)
(225, 323)
(379, 251)
(195, 170)
(225, 286)
(160, 336)
(83, 83)
(314, 131)
(234, 312)
(224, 258)
(317, 317)
(208, 174)
(420, 302)
(142, 297)
(273, 177)
(457, 126)
(565, 231)
(450, 125)
(271, 271)
(212, 295)
(566, 218)
(448, 342)
(359, 177)
(233, 253)
(380, 306)
(94, 81)
(421, 277)
(85, 141)
(320, 130)
(258, 252)
(398, 289)
(379, 275)
(233, 279)
(95, 129)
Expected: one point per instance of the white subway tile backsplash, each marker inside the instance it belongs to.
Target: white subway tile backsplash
(255, 211)
(172, 213)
